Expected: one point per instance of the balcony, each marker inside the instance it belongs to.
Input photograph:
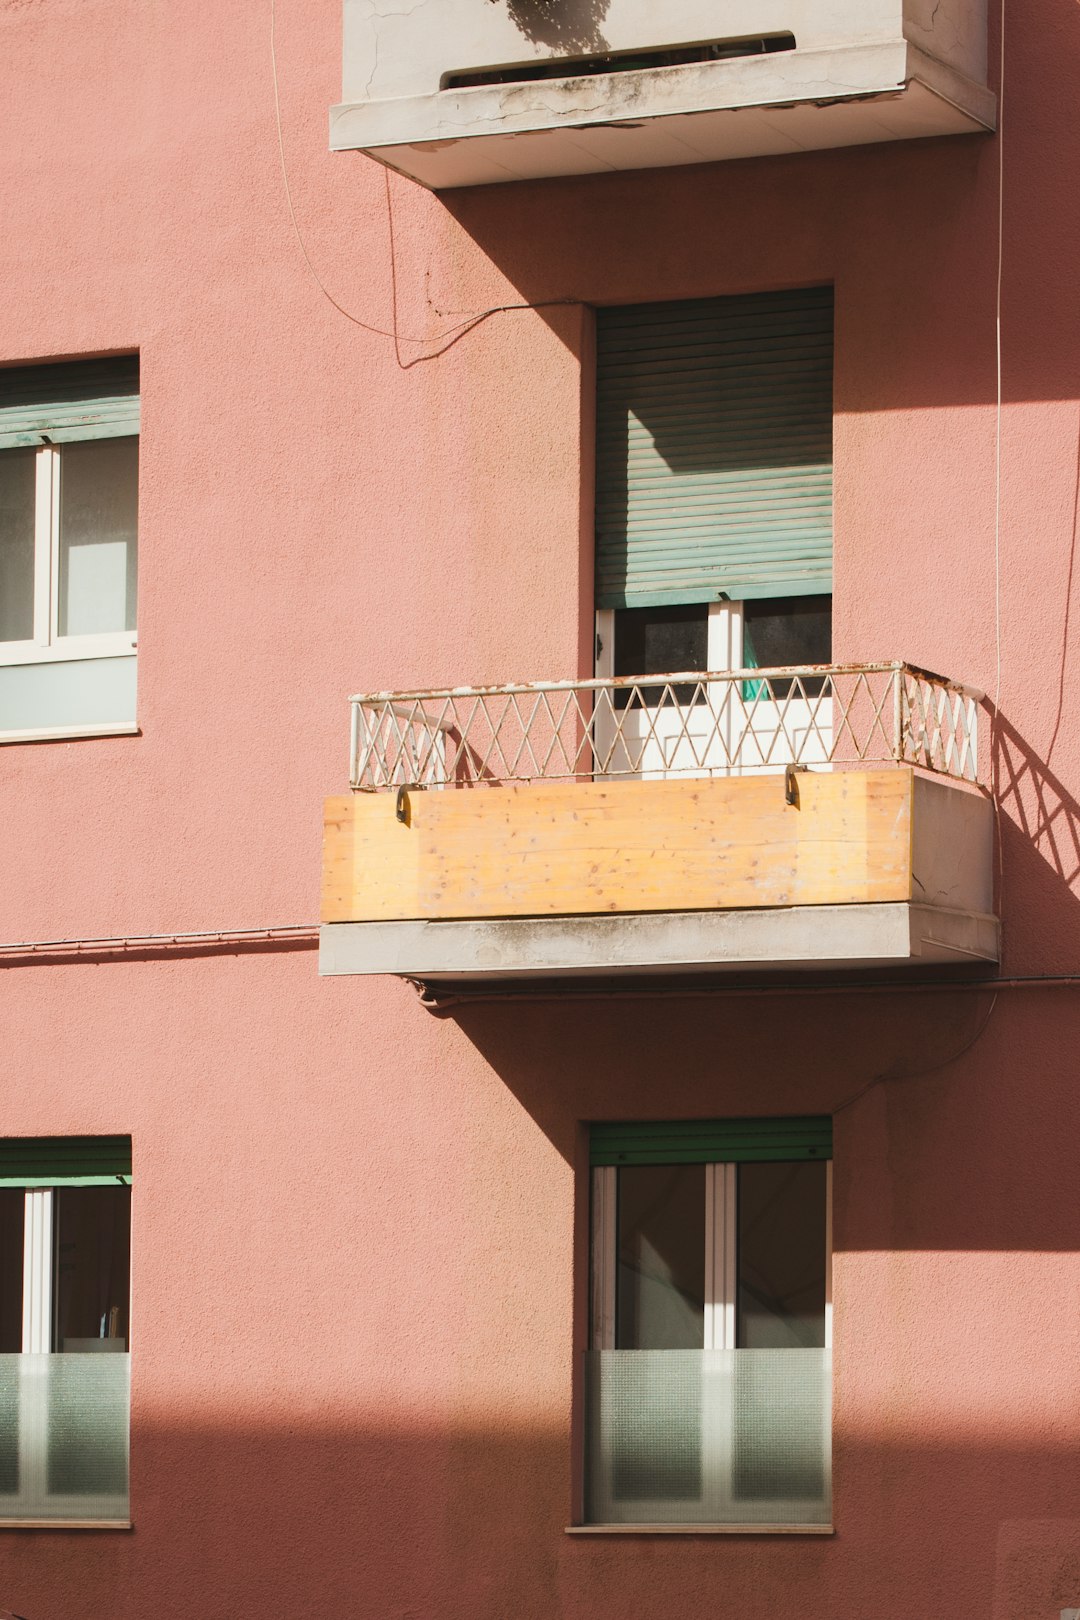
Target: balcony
(467, 93)
(824, 817)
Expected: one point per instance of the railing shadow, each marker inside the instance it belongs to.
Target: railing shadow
(1039, 854)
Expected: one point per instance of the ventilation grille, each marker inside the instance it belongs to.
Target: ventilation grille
(581, 67)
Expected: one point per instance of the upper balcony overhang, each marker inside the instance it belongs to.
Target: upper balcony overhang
(465, 93)
(816, 818)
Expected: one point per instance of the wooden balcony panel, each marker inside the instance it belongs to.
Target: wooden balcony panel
(565, 849)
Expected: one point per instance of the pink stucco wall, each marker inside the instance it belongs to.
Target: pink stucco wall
(356, 1307)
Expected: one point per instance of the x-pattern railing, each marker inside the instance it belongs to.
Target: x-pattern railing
(736, 722)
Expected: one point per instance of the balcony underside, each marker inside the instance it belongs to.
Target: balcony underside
(803, 100)
(888, 935)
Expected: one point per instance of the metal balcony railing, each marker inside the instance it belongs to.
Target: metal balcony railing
(735, 722)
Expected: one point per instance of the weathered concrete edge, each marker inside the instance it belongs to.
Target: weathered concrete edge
(893, 934)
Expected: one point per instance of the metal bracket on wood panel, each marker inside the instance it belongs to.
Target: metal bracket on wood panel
(791, 787)
(401, 803)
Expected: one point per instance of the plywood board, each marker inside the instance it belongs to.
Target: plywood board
(586, 848)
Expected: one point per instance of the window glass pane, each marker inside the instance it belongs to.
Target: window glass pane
(660, 1293)
(661, 641)
(17, 476)
(655, 641)
(781, 1247)
(93, 1265)
(98, 501)
(783, 630)
(12, 1211)
(77, 692)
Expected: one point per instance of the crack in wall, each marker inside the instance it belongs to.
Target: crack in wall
(384, 14)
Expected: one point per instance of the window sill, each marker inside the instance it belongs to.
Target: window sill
(68, 650)
(66, 1524)
(122, 728)
(700, 1530)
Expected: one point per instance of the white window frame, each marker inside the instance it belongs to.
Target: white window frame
(721, 1294)
(47, 644)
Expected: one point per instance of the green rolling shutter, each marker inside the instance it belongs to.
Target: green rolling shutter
(712, 1141)
(84, 399)
(64, 1161)
(714, 449)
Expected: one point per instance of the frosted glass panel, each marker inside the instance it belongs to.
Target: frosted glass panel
(82, 692)
(99, 483)
(708, 1436)
(64, 1436)
(17, 545)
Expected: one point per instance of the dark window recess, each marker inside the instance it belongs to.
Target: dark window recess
(781, 1257)
(575, 67)
(661, 641)
(785, 630)
(660, 1291)
(93, 1251)
(12, 1205)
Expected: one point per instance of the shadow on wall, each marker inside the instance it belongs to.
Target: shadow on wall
(567, 27)
(903, 1071)
(242, 1520)
(1040, 833)
(1045, 814)
(906, 229)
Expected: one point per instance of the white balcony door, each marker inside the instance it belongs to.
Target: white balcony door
(781, 724)
(717, 728)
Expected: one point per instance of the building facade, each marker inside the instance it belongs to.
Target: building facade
(663, 1198)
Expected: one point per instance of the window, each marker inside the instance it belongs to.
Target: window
(708, 1375)
(65, 1223)
(714, 522)
(69, 453)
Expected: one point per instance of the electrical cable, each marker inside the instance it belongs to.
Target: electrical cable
(996, 744)
(449, 334)
(917, 1074)
(997, 334)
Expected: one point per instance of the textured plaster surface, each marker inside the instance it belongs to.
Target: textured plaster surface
(358, 1242)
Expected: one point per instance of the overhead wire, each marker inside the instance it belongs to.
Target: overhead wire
(437, 341)
(917, 1074)
(999, 393)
